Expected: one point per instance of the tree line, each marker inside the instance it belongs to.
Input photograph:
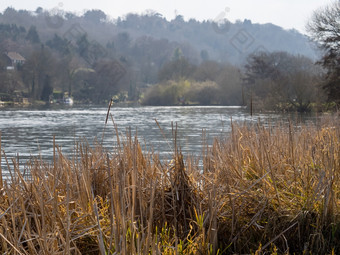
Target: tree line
(157, 71)
(270, 81)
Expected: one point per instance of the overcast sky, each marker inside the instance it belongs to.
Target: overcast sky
(285, 13)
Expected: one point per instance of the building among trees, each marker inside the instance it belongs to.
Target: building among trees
(13, 60)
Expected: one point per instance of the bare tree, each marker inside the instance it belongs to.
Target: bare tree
(282, 80)
(324, 28)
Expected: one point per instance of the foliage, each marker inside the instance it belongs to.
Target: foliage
(206, 36)
(182, 92)
(167, 93)
(208, 71)
(176, 69)
(138, 51)
(206, 84)
(201, 36)
(32, 35)
(230, 85)
(47, 90)
(96, 16)
(204, 93)
(60, 44)
(11, 31)
(38, 66)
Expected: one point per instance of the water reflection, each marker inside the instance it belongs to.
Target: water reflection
(30, 132)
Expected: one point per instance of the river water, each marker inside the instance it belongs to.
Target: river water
(27, 133)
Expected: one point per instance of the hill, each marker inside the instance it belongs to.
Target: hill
(221, 40)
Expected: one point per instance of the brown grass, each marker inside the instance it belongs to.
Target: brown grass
(261, 190)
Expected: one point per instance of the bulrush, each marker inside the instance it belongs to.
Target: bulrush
(263, 189)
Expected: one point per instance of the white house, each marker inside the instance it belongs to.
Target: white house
(14, 59)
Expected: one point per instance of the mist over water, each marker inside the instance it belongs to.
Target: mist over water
(28, 133)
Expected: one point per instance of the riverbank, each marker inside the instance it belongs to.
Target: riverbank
(259, 190)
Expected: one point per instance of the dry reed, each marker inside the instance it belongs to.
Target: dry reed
(261, 190)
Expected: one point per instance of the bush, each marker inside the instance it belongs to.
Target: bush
(182, 92)
(204, 93)
(168, 93)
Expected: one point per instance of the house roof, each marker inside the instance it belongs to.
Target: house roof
(15, 56)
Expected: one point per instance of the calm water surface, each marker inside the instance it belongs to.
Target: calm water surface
(29, 133)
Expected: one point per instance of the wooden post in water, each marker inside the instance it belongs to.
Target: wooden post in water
(251, 103)
(1, 183)
(243, 100)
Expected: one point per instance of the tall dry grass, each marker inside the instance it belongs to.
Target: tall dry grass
(262, 190)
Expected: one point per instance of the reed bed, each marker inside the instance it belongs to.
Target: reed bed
(261, 190)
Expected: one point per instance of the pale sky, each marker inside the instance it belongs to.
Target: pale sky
(285, 13)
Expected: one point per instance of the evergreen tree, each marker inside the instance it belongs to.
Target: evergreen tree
(32, 35)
